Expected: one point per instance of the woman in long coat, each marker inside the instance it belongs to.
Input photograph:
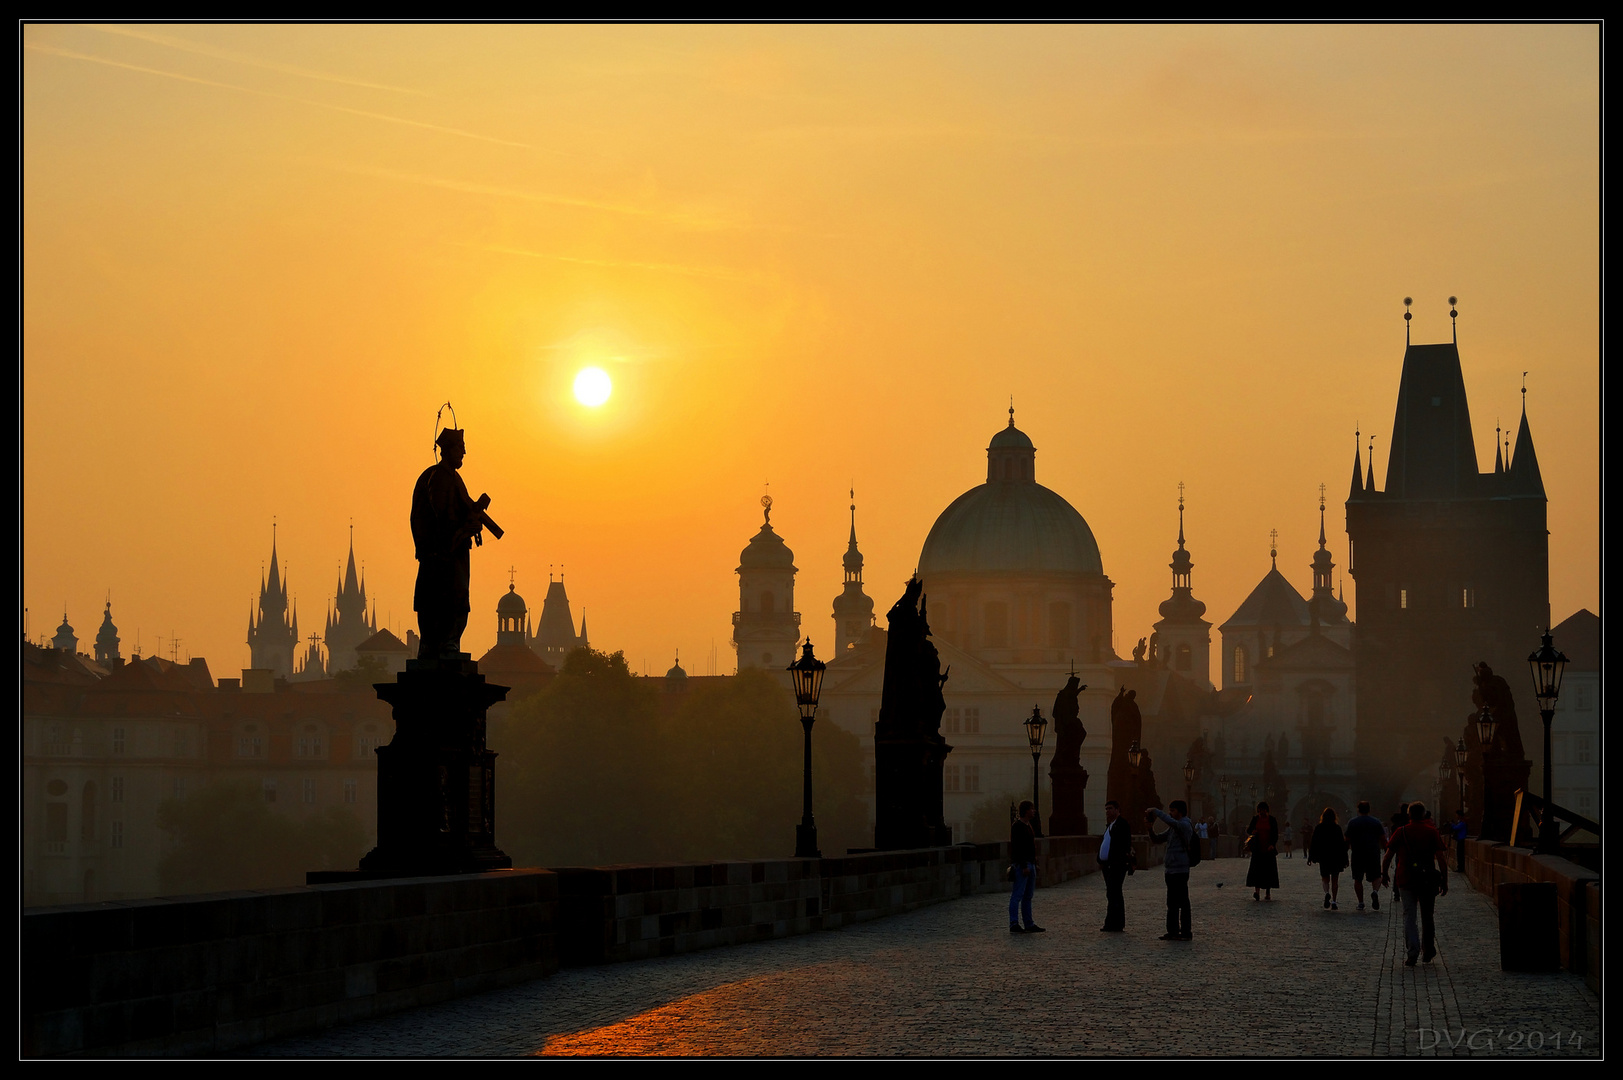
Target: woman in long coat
(1329, 849)
(1262, 841)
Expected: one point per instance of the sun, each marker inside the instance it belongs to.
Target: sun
(592, 386)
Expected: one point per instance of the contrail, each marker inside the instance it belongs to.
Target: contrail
(187, 45)
(52, 50)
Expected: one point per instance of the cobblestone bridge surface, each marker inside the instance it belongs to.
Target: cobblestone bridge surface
(1286, 978)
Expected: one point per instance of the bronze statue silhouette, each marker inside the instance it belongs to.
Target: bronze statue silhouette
(1067, 778)
(1493, 774)
(908, 747)
(1068, 730)
(445, 524)
(1138, 651)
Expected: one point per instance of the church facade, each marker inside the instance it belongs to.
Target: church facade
(1016, 598)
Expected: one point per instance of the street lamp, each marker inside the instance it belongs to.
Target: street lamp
(1135, 754)
(807, 674)
(1459, 769)
(1036, 728)
(1546, 666)
(1486, 725)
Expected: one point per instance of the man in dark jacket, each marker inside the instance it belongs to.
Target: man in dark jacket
(1115, 861)
(1023, 859)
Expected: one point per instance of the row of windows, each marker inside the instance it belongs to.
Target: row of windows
(309, 788)
(967, 720)
(961, 778)
(1406, 597)
(56, 742)
(309, 744)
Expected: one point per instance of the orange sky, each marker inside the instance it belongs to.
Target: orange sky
(256, 259)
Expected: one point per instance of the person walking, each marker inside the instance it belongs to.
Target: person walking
(1180, 830)
(1328, 848)
(1459, 829)
(1422, 865)
(1285, 840)
(1262, 841)
(1115, 862)
(1366, 838)
(1023, 863)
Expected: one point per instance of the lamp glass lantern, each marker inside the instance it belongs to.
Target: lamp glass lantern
(1036, 730)
(1547, 666)
(1460, 754)
(1135, 754)
(1188, 772)
(1486, 726)
(807, 676)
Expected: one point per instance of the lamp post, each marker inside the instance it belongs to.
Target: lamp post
(1036, 728)
(1546, 665)
(807, 674)
(1459, 770)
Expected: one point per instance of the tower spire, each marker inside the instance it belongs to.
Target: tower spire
(1498, 449)
(1356, 488)
(1273, 547)
(1321, 515)
(1369, 485)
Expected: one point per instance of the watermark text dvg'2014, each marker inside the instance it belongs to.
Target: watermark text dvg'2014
(1488, 1040)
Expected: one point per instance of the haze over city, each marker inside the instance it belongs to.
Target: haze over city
(258, 258)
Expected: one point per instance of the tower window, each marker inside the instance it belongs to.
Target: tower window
(1468, 597)
(1181, 657)
(972, 722)
(1403, 599)
(1239, 663)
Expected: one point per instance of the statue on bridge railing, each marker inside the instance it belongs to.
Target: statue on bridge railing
(1068, 778)
(1493, 775)
(1129, 787)
(909, 750)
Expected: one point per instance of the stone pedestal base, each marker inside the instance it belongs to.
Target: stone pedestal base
(436, 778)
(1069, 786)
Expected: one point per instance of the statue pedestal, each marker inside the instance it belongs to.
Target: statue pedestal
(1502, 775)
(1069, 785)
(907, 780)
(436, 778)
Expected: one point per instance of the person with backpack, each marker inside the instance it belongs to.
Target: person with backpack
(1422, 865)
(1181, 855)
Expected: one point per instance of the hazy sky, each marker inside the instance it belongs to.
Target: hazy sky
(257, 259)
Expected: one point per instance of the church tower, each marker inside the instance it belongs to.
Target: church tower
(1327, 612)
(555, 636)
(853, 609)
(1184, 638)
(65, 640)
(107, 640)
(272, 634)
(1450, 566)
(766, 626)
(347, 622)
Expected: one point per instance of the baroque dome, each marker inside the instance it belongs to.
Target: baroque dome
(1011, 522)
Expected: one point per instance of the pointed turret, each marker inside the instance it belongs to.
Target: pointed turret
(1356, 489)
(1525, 478)
(1326, 609)
(1498, 451)
(1183, 636)
(107, 640)
(853, 608)
(272, 636)
(1433, 454)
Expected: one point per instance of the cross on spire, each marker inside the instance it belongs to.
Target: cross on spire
(1321, 496)
(1273, 546)
(511, 571)
(1011, 410)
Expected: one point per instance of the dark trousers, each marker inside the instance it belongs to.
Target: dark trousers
(1418, 902)
(1178, 921)
(1115, 906)
(1025, 884)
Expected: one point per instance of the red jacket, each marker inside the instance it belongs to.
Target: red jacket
(1417, 842)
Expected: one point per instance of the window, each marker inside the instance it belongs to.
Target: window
(949, 721)
(117, 794)
(1581, 750)
(1059, 625)
(366, 741)
(350, 787)
(270, 790)
(949, 778)
(87, 813)
(1586, 803)
(250, 744)
(310, 742)
(972, 721)
(1403, 599)
(1467, 597)
(118, 834)
(1581, 701)
(1181, 657)
(180, 787)
(118, 740)
(309, 789)
(997, 624)
(1239, 664)
(972, 777)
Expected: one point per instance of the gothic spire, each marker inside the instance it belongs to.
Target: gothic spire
(1357, 487)
(1525, 478)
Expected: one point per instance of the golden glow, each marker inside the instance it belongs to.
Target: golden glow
(592, 386)
(258, 257)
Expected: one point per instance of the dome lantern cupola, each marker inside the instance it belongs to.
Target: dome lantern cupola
(1010, 456)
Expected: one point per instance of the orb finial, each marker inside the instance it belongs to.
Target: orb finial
(1273, 546)
(1407, 315)
(1011, 410)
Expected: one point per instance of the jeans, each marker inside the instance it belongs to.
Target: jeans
(1425, 935)
(1025, 884)
(1115, 906)
(1178, 921)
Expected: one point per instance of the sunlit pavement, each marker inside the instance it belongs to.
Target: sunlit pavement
(1286, 978)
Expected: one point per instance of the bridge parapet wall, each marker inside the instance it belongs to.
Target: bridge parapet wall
(1489, 864)
(200, 975)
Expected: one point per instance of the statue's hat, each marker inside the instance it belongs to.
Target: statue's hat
(450, 439)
